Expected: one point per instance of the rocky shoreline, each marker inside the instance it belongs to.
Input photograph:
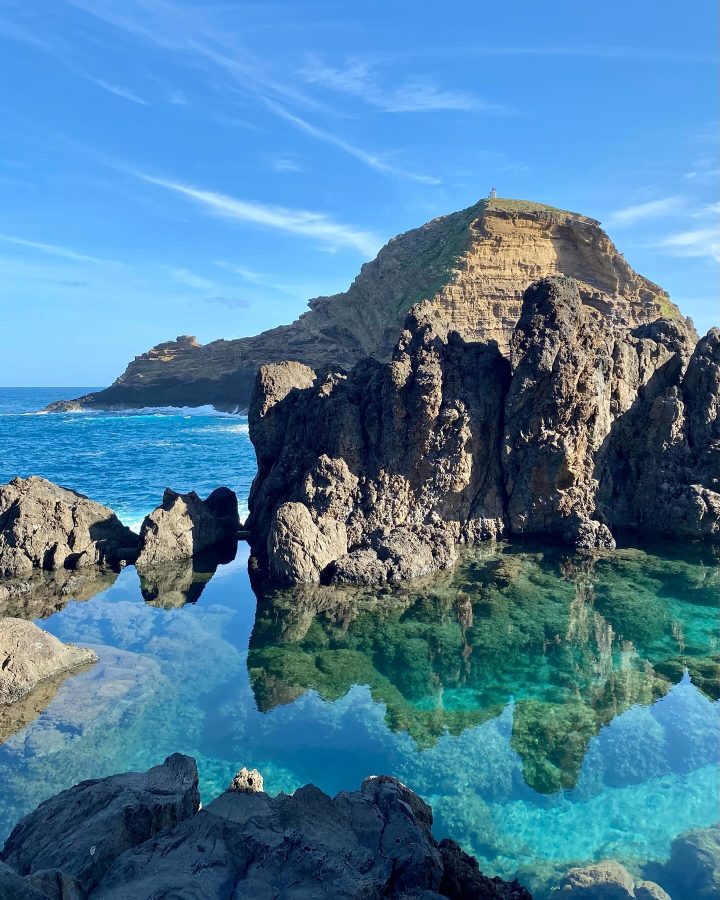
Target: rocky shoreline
(588, 428)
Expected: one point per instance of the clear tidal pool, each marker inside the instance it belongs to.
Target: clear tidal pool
(553, 708)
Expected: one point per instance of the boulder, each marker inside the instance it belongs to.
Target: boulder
(184, 526)
(29, 656)
(44, 526)
(79, 833)
(300, 548)
(248, 780)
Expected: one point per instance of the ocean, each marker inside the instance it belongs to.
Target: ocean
(554, 709)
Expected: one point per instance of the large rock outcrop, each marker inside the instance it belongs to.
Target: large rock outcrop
(29, 656)
(591, 426)
(44, 526)
(69, 843)
(140, 835)
(184, 526)
(467, 270)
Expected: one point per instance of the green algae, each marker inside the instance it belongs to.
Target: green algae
(574, 640)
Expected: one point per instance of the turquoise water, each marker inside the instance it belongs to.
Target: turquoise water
(553, 708)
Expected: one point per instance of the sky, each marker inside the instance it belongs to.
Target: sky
(205, 168)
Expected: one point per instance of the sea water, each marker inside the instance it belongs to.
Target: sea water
(553, 708)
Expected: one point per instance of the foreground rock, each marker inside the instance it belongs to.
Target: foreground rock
(590, 427)
(67, 846)
(693, 869)
(470, 268)
(29, 656)
(44, 526)
(140, 835)
(184, 526)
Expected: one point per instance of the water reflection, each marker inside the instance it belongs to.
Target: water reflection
(554, 709)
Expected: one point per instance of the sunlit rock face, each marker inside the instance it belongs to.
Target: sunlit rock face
(466, 271)
(588, 429)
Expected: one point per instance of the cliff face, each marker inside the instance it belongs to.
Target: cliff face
(467, 270)
(590, 426)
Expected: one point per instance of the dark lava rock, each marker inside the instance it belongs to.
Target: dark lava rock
(134, 837)
(79, 833)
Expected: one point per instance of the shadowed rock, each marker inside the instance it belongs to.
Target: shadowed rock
(43, 526)
(375, 475)
(78, 834)
(184, 526)
(140, 835)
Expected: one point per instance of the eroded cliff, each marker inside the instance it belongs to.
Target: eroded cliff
(467, 270)
(590, 426)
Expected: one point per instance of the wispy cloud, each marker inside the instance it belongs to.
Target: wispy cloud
(697, 242)
(371, 160)
(293, 221)
(118, 90)
(186, 277)
(54, 250)
(641, 212)
(283, 164)
(359, 79)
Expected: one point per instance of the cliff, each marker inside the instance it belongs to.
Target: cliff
(588, 427)
(467, 270)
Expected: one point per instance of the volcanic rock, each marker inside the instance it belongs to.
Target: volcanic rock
(140, 835)
(184, 526)
(376, 475)
(44, 526)
(79, 833)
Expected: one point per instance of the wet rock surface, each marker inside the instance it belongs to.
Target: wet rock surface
(44, 526)
(141, 835)
(30, 656)
(589, 428)
(184, 526)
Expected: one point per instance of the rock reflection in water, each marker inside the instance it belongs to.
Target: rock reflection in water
(561, 636)
(171, 585)
(44, 593)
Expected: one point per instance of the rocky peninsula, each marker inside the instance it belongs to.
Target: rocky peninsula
(586, 427)
(467, 271)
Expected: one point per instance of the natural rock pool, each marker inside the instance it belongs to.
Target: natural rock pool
(552, 708)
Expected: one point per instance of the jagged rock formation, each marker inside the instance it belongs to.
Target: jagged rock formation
(44, 526)
(29, 656)
(376, 475)
(467, 271)
(136, 836)
(184, 526)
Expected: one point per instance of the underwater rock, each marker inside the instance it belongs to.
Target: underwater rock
(589, 426)
(608, 880)
(81, 832)
(135, 836)
(184, 526)
(29, 656)
(44, 526)
(694, 864)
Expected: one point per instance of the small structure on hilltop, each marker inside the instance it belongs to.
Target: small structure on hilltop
(493, 194)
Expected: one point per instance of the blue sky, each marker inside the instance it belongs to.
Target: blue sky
(205, 168)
